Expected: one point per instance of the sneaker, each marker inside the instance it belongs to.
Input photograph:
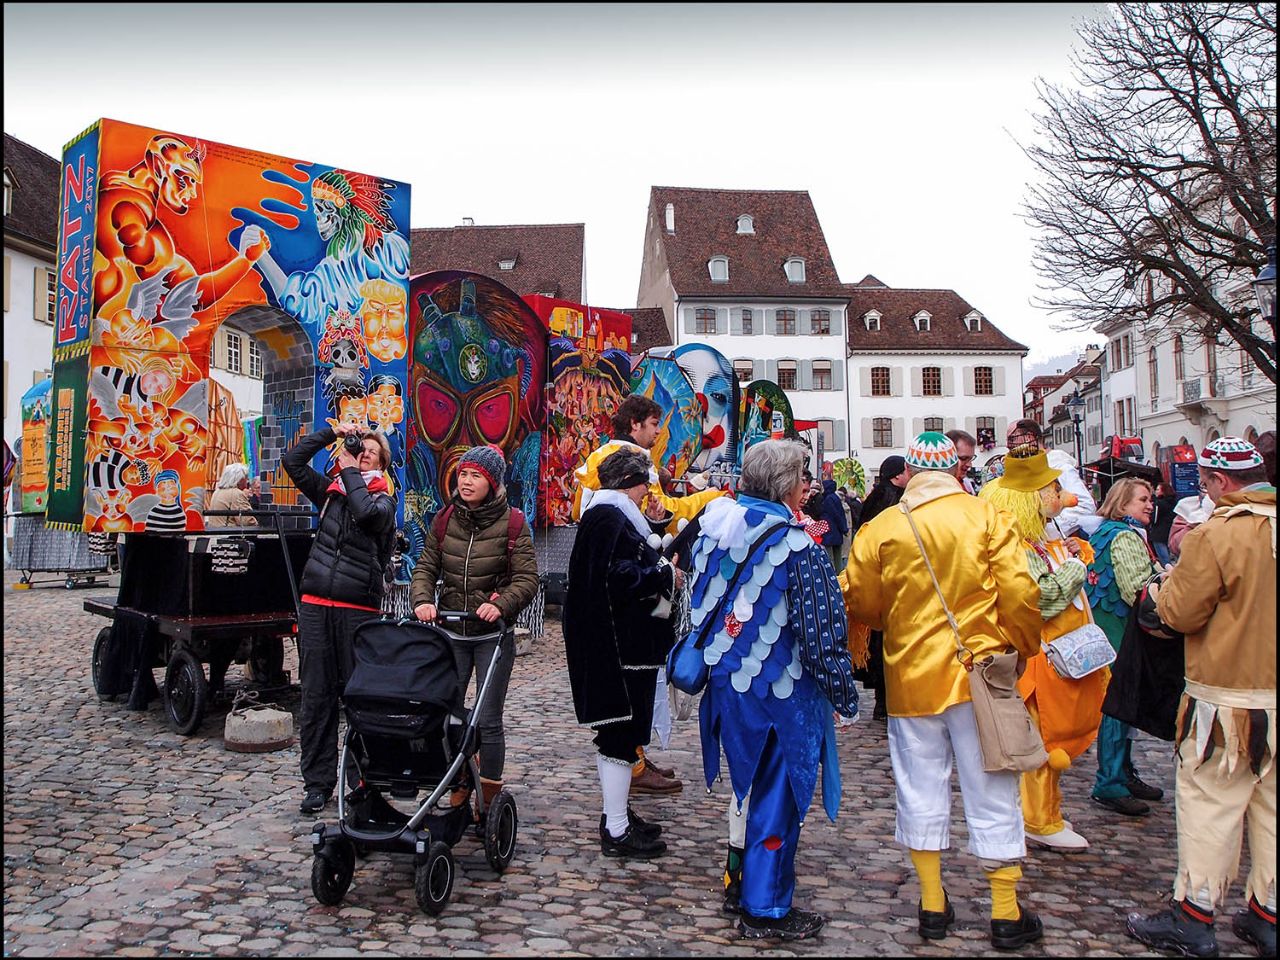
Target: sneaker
(1129, 806)
(651, 781)
(1065, 840)
(631, 844)
(315, 801)
(796, 925)
(934, 923)
(1143, 791)
(642, 827)
(1174, 929)
(1012, 934)
(1257, 927)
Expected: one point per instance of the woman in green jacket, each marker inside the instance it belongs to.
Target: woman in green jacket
(481, 551)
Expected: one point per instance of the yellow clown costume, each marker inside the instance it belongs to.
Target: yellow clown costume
(1067, 711)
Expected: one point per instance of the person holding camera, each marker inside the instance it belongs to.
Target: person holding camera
(342, 584)
(481, 550)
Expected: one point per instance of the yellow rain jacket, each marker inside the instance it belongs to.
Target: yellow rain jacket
(978, 557)
(587, 481)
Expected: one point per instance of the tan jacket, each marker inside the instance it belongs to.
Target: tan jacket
(1222, 595)
(230, 498)
(978, 558)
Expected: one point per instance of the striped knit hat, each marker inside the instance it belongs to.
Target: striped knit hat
(489, 461)
(1230, 453)
(932, 451)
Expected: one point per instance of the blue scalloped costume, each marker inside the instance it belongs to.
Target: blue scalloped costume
(768, 702)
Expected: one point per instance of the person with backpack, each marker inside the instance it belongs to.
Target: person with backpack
(481, 551)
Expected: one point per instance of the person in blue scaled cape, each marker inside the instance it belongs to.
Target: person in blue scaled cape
(778, 663)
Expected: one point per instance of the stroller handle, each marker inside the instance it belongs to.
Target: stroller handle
(463, 616)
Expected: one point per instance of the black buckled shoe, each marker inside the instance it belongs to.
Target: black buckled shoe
(935, 923)
(631, 844)
(796, 925)
(1129, 806)
(643, 827)
(1253, 926)
(1143, 791)
(1012, 934)
(1174, 929)
(314, 801)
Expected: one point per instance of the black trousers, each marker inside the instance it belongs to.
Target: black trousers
(619, 740)
(325, 661)
(475, 656)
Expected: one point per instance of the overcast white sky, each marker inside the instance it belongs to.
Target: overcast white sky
(898, 119)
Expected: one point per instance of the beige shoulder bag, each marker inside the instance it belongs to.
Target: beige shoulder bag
(1010, 739)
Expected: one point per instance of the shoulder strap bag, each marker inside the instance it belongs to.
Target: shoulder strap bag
(1082, 651)
(1009, 738)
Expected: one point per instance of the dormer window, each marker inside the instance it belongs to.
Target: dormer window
(923, 319)
(872, 319)
(507, 263)
(9, 184)
(973, 321)
(671, 218)
(718, 267)
(746, 224)
(794, 268)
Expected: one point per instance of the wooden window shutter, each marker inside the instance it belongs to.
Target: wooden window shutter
(770, 322)
(899, 438)
(689, 320)
(948, 381)
(917, 382)
(997, 374)
(841, 441)
(864, 381)
(868, 436)
(895, 381)
(806, 374)
(722, 319)
(735, 321)
(969, 383)
(837, 374)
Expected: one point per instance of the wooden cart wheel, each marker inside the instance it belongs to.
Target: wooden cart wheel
(185, 692)
(99, 661)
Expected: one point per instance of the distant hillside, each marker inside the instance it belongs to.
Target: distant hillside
(1060, 363)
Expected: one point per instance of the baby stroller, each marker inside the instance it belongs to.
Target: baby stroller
(407, 731)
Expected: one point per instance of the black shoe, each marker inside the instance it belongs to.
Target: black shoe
(934, 923)
(878, 712)
(1129, 806)
(643, 827)
(732, 897)
(1252, 926)
(1173, 929)
(1143, 791)
(315, 801)
(796, 925)
(632, 844)
(1012, 934)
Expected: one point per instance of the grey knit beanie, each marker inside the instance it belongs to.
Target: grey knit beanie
(624, 469)
(489, 461)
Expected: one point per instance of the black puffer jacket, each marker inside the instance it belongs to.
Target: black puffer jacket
(354, 541)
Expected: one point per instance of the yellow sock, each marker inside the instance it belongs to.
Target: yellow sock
(639, 766)
(1004, 893)
(928, 864)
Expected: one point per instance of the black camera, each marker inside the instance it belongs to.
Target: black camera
(353, 443)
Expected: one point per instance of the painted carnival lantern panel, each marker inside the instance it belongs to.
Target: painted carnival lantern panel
(765, 415)
(477, 374)
(164, 238)
(658, 377)
(33, 476)
(716, 387)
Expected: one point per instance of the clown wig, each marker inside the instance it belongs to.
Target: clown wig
(1026, 508)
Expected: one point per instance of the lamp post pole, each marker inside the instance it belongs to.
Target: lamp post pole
(1073, 405)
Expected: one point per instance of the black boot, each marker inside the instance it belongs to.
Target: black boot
(1256, 925)
(1183, 928)
(733, 881)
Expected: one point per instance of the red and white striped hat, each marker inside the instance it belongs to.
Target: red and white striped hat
(1230, 453)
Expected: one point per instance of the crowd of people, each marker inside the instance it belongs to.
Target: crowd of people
(970, 597)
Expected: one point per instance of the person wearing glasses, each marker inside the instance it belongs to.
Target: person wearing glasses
(966, 446)
(1083, 517)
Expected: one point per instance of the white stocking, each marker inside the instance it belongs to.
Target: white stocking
(738, 821)
(615, 786)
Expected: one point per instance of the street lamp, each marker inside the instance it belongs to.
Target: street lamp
(1264, 285)
(1074, 405)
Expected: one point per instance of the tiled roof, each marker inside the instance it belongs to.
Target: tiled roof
(34, 216)
(548, 256)
(897, 307)
(648, 327)
(1050, 381)
(706, 222)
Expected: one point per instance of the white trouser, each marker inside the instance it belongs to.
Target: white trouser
(921, 749)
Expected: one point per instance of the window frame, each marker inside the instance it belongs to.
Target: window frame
(792, 372)
(51, 293)
(739, 370)
(718, 260)
(789, 319)
(823, 316)
(923, 322)
(256, 366)
(700, 316)
(925, 385)
(828, 370)
(792, 266)
(990, 390)
(748, 322)
(1179, 359)
(871, 320)
(887, 384)
(1153, 372)
(936, 424)
(750, 223)
(234, 355)
(881, 432)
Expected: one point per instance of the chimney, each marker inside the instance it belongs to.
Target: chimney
(671, 218)
(468, 222)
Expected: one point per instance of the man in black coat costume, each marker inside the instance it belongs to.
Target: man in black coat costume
(618, 630)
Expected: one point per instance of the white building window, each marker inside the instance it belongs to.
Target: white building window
(872, 320)
(785, 323)
(820, 322)
(882, 432)
(509, 263)
(255, 359)
(748, 322)
(704, 320)
(718, 267)
(973, 322)
(233, 352)
(933, 423)
(822, 375)
(8, 194)
(744, 370)
(794, 268)
(931, 381)
(746, 224)
(880, 382)
(787, 374)
(51, 296)
(984, 381)
(922, 321)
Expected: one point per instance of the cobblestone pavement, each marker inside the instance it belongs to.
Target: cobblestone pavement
(123, 838)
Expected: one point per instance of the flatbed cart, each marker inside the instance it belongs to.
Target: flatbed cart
(218, 596)
(66, 553)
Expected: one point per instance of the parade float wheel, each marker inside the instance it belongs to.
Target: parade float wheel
(97, 664)
(185, 692)
(332, 870)
(500, 828)
(433, 878)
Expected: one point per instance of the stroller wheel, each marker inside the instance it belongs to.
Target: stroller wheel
(500, 827)
(332, 870)
(433, 878)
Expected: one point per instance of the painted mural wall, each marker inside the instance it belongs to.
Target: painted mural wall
(164, 237)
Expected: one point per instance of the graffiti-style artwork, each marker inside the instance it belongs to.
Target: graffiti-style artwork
(477, 375)
(587, 388)
(592, 329)
(716, 387)
(765, 415)
(658, 377)
(33, 479)
(849, 472)
(226, 433)
(164, 238)
(251, 429)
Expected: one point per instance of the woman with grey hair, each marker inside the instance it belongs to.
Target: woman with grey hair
(767, 608)
(232, 493)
